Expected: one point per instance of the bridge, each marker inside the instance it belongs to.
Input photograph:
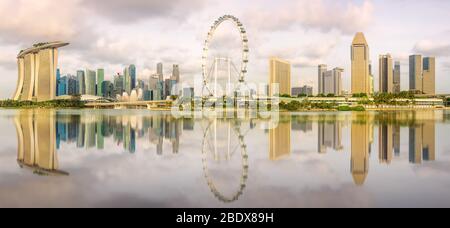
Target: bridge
(132, 104)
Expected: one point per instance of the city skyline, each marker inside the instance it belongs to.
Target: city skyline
(305, 41)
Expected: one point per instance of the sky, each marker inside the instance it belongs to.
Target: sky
(111, 34)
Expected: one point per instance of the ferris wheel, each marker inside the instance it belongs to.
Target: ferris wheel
(208, 72)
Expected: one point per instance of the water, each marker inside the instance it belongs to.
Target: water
(139, 158)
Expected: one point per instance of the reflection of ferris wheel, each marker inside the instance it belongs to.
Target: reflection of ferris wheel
(212, 128)
(208, 73)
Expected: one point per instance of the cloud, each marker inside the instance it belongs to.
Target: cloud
(434, 48)
(7, 63)
(120, 11)
(322, 14)
(28, 21)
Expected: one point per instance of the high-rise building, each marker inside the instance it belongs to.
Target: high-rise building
(153, 81)
(37, 72)
(188, 92)
(58, 77)
(332, 82)
(81, 82)
(107, 89)
(415, 73)
(160, 71)
(62, 86)
(133, 78)
(140, 84)
(100, 79)
(422, 74)
(176, 73)
(118, 84)
(72, 85)
(321, 70)
(279, 74)
(429, 75)
(386, 74)
(305, 90)
(127, 80)
(360, 65)
(371, 79)
(397, 74)
(90, 82)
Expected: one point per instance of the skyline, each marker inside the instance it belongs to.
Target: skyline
(306, 40)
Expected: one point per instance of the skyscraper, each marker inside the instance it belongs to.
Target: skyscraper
(100, 79)
(429, 76)
(279, 74)
(360, 65)
(62, 86)
(58, 77)
(72, 85)
(127, 80)
(153, 81)
(118, 84)
(321, 71)
(159, 71)
(422, 74)
(176, 73)
(386, 74)
(132, 72)
(90, 82)
(415, 73)
(332, 82)
(81, 82)
(371, 79)
(37, 72)
(397, 74)
(107, 89)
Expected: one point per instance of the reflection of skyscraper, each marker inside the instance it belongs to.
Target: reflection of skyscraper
(396, 137)
(280, 141)
(386, 143)
(36, 131)
(359, 164)
(99, 131)
(90, 134)
(330, 136)
(188, 124)
(422, 142)
(304, 126)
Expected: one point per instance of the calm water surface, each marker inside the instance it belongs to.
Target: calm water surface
(139, 158)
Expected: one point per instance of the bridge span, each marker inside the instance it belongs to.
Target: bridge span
(133, 104)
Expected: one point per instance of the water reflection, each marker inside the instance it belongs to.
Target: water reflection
(224, 139)
(225, 151)
(36, 142)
